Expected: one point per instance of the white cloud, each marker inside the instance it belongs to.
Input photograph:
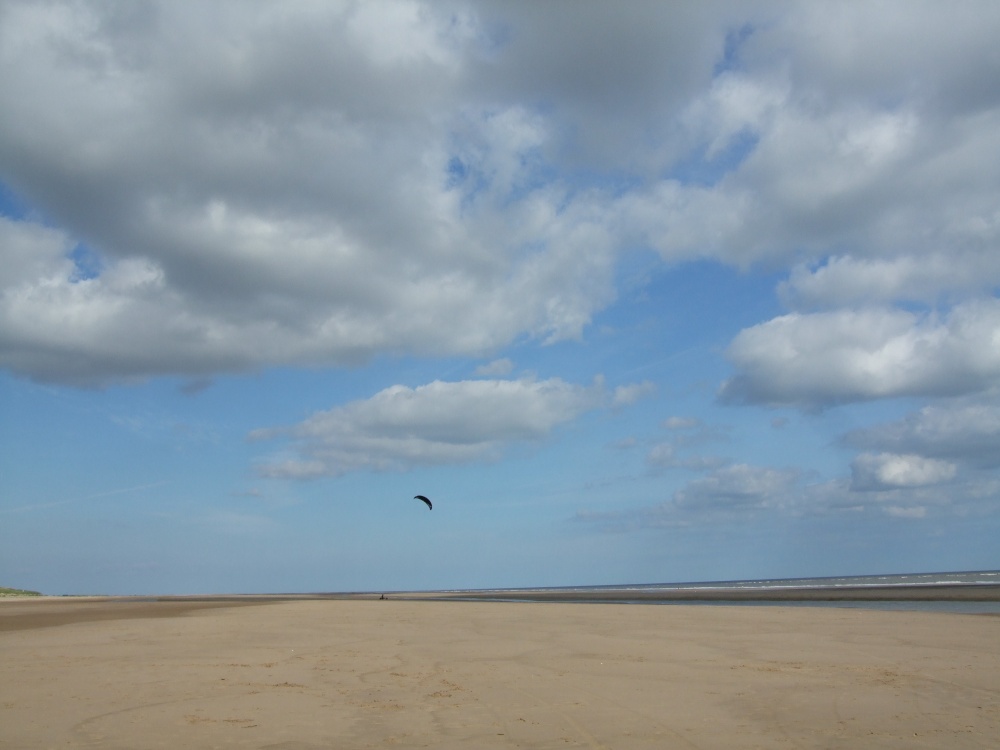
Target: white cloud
(401, 428)
(923, 54)
(271, 186)
(963, 432)
(833, 357)
(739, 493)
(31, 251)
(880, 471)
(876, 182)
(845, 280)
(317, 184)
(740, 488)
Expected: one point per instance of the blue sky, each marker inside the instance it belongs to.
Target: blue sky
(668, 292)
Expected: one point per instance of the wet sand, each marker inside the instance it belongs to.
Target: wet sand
(307, 672)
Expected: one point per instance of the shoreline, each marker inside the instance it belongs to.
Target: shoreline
(25, 613)
(890, 593)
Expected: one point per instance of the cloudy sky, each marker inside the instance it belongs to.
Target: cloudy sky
(634, 292)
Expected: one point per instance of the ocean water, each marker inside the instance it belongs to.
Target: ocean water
(965, 578)
(901, 584)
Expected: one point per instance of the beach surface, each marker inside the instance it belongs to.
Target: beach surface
(298, 674)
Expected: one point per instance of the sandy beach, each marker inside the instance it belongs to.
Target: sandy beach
(329, 673)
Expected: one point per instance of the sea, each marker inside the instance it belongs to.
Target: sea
(968, 592)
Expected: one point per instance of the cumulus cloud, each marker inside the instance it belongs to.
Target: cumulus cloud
(740, 488)
(910, 488)
(29, 251)
(263, 185)
(880, 471)
(962, 432)
(846, 355)
(845, 280)
(269, 186)
(401, 428)
(894, 180)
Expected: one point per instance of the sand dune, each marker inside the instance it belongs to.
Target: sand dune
(356, 674)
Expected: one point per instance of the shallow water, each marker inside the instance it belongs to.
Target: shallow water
(717, 591)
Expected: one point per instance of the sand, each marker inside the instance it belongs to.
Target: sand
(365, 673)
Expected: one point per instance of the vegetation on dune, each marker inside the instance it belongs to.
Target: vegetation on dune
(4, 591)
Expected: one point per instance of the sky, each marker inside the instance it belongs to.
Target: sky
(634, 292)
